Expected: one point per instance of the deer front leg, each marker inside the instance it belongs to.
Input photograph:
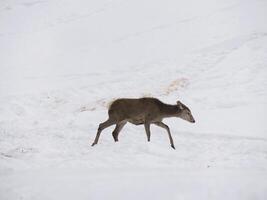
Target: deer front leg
(162, 125)
(147, 128)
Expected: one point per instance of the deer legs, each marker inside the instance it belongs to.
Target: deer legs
(147, 128)
(121, 124)
(101, 127)
(162, 125)
(117, 130)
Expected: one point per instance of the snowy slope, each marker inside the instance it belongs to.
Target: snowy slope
(62, 62)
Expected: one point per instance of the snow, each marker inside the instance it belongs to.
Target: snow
(62, 62)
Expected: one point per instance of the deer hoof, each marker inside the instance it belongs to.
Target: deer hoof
(173, 146)
(93, 144)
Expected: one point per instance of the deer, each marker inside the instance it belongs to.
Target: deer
(142, 111)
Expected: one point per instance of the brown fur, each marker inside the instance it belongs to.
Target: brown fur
(142, 111)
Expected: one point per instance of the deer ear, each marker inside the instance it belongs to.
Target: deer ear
(179, 104)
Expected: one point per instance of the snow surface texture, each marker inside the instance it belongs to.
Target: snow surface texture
(62, 62)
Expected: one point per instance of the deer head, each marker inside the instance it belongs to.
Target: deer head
(185, 112)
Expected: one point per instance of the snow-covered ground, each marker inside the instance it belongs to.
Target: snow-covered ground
(62, 62)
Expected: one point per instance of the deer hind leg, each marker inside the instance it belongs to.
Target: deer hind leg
(162, 125)
(101, 127)
(147, 128)
(117, 130)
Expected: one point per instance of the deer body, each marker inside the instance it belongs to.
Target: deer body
(144, 111)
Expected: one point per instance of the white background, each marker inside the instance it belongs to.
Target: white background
(63, 61)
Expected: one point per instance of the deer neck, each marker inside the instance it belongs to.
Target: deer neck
(169, 110)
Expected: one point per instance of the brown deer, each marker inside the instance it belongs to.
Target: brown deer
(142, 111)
